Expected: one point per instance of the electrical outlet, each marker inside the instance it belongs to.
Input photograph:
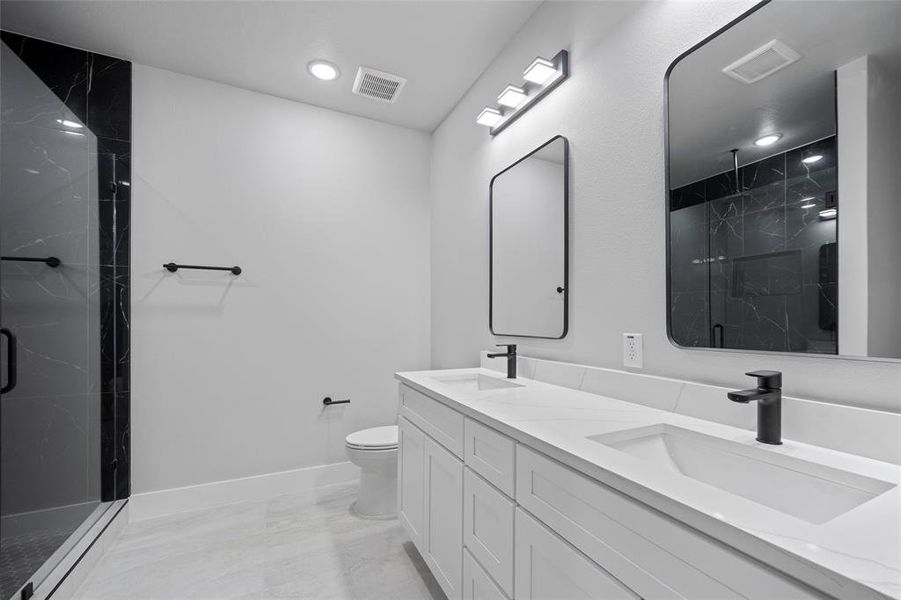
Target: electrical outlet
(632, 350)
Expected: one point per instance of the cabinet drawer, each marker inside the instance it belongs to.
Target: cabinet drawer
(548, 567)
(651, 553)
(488, 528)
(490, 454)
(442, 423)
(477, 585)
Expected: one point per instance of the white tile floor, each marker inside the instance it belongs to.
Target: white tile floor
(303, 546)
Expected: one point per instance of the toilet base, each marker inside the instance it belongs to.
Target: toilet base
(377, 497)
(378, 493)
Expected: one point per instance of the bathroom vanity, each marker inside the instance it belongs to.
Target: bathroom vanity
(522, 489)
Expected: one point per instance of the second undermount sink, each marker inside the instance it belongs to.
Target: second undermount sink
(812, 492)
(474, 382)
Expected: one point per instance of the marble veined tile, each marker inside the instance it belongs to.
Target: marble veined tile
(307, 545)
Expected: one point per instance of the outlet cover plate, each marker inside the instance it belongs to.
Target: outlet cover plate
(632, 350)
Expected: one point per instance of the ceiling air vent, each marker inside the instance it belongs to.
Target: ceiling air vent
(760, 63)
(378, 84)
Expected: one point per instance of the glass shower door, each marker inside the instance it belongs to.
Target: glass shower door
(50, 407)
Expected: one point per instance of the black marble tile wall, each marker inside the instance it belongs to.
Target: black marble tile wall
(752, 266)
(97, 90)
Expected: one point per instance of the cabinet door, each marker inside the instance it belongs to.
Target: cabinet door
(488, 528)
(477, 585)
(548, 567)
(411, 480)
(443, 551)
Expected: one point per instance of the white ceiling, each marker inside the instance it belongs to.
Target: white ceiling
(711, 113)
(441, 47)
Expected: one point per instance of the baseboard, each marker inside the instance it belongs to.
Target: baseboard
(150, 505)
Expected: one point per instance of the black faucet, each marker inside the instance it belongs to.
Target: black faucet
(510, 354)
(768, 395)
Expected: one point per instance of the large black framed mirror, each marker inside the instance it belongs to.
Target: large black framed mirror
(529, 241)
(783, 205)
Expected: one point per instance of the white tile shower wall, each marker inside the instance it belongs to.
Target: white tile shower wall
(819, 423)
(328, 216)
(612, 111)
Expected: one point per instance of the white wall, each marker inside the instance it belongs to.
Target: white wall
(883, 211)
(328, 216)
(852, 90)
(611, 109)
(869, 203)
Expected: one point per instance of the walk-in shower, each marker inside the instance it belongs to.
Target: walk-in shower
(65, 179)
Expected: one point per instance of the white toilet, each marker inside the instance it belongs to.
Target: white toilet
(375, 452)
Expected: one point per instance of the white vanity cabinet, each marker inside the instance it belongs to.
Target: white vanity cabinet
(507, 522)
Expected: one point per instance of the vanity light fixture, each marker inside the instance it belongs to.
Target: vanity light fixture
(512, 96)
(808, 205)
(809, 202)
(829, 213)
(324, 70)
(812, 159)
(768, 140)
(489, 117)
(540, 71)
(69, 124)
(541, 77)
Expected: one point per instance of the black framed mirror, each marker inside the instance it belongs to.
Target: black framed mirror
(783, 140)
(529, 241)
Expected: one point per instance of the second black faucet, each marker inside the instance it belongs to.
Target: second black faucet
(768, 395)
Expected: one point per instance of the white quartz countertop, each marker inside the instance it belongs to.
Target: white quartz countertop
(855, 555)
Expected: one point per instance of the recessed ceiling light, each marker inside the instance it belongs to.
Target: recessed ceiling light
(512, 96)
(540, 71)
(489, 117)
(324, 70)
(69, 124)
(812, 159)
(768, 140)
(829, 213)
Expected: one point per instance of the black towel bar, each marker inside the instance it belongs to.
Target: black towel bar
(50, 261)
(328, 401)
(173, 267)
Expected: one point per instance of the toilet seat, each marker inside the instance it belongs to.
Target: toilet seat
(375, 438)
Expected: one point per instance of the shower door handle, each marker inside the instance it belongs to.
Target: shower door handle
(11, 361)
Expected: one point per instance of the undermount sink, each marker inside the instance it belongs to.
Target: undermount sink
(474, 382)
(802, 489)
